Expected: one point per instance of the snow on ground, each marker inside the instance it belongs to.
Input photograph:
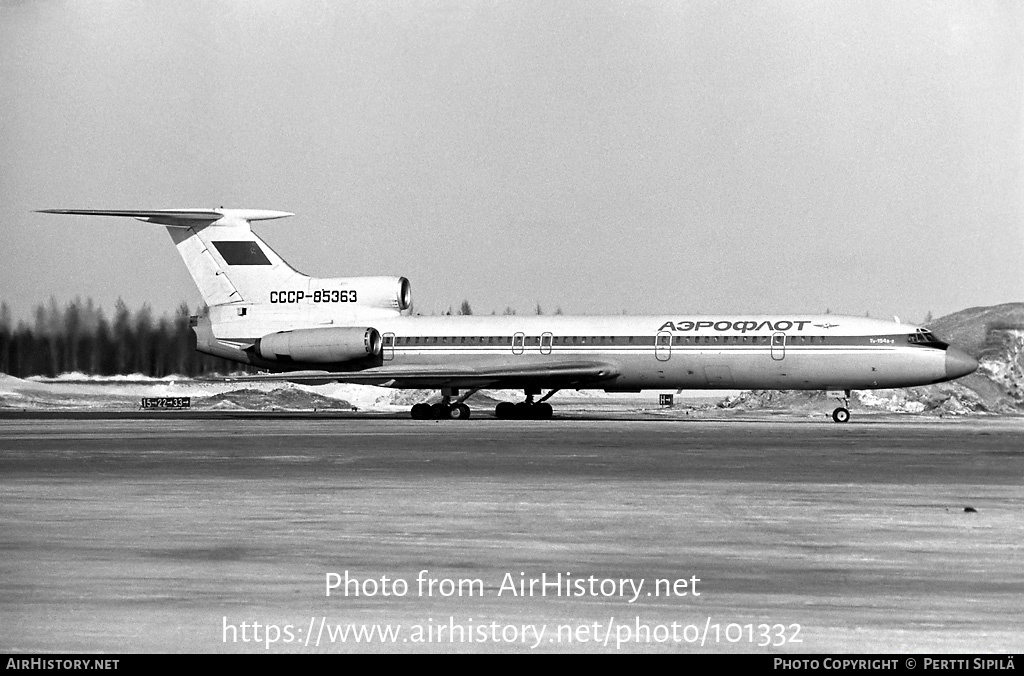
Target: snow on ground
(77, 390)
(124, 393)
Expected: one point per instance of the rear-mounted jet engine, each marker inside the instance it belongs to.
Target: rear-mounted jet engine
(320, 346)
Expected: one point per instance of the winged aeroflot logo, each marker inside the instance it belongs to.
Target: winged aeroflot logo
(826, 325)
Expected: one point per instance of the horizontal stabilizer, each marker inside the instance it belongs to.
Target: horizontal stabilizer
(227, 260)
(181, 218)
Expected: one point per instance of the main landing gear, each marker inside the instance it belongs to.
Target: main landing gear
(526, 410)
(446, 409)
(842, 414)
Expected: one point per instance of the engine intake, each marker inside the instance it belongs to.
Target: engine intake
(385, 293)
(390, 293)
(321, 346)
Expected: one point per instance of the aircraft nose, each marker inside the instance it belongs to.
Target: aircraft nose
(959, 363)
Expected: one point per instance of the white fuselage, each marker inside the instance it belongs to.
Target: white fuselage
(827, 352)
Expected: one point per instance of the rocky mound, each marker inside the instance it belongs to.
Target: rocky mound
(993, 335)
(285, 399)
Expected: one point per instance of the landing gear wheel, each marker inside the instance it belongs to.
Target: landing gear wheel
(504, 411)
(421, 412)
(522, 411)
(841, 415)
(439, 411)
(458, 412)
(542, 411)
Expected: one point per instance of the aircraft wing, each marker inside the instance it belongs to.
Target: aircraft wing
(537, 374)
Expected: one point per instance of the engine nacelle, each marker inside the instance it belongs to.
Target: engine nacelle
(321, 346)
(386, 293)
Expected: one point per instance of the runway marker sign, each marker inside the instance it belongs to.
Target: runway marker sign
(166, 402)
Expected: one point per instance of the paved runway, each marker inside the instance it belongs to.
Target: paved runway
(169, 534)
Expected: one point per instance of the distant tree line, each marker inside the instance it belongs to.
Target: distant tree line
(465, 309)
(79, 337)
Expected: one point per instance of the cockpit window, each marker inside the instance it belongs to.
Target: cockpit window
(923, 337)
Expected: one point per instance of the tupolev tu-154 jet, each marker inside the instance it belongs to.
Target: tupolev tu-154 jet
(361, 330)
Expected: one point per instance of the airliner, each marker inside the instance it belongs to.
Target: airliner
(304, 329)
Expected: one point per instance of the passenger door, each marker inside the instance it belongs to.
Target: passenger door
(778, 346)
(663, 346)
(545, 343)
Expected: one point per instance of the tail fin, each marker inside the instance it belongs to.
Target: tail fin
(227, 261)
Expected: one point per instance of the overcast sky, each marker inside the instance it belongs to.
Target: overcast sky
(649, 157)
